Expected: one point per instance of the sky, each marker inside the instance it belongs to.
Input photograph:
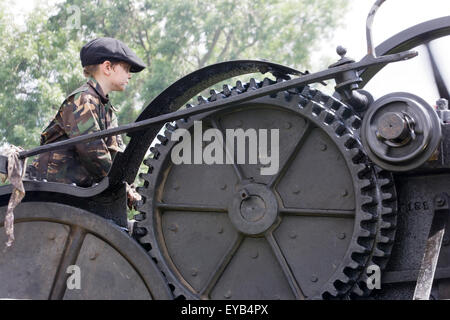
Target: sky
(392, 17)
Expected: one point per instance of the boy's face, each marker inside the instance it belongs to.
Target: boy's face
(120, 74)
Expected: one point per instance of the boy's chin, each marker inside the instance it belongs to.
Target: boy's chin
(120, 88)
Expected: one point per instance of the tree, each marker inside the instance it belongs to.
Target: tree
(40, 65)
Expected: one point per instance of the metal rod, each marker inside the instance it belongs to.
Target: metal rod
(289, 84)
(369, 23)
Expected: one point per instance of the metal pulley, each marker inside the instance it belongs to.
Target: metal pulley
(400, 131)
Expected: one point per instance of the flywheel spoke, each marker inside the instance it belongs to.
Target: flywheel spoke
(69, 257)
(296, 290)
(220, 268)
(285, 166)
(438, 78)
(332, 213)
(189, 207)
(230, 156)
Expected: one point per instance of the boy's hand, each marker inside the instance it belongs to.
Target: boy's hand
(133, 197)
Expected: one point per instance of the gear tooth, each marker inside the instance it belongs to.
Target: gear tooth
(145, 243)
(386, 196)
(354, 265)
(215, 95)
(267, 82)
(333, 104)
(350, 142)
(332, 292)
(367, 200)
(385, 182)
(384, 239)
(226, 90)
(366, 233)
(145, 176)
(302, 101)
(139, 232)
(339, 128)
(344, 112)
(201, 100)
(253, 84)
(357, 155)
(171, 126)
(366, 184)
(386, 225)
(361, 249)
(344, 278)
(139, 217)
(162, 139)
(318, 97)
(378, 253)
(141, 190)
(155, 152)
(355, 122)
(358, 291)
(327, 117)
(148, 162)
(239, 87)
(387, 211)
(363, 169)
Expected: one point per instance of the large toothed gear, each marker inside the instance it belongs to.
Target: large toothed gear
(307, 232)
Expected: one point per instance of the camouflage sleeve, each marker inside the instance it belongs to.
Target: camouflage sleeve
(115, 143)
(82, 117)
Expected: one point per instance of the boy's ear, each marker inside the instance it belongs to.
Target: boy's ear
(106, 67)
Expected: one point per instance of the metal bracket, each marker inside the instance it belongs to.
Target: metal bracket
(432, 248)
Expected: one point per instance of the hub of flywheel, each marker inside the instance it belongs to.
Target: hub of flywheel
(255, 213)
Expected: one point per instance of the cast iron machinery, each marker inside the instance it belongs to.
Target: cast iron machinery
(360, 183)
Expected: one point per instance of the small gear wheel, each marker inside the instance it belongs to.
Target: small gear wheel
(306, 231)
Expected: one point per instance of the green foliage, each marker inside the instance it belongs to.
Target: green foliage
(40, 63)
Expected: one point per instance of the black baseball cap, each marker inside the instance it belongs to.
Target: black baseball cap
(101, 49)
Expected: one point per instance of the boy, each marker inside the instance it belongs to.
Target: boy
(108, 64)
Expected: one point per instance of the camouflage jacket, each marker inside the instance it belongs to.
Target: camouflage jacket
(86, 110)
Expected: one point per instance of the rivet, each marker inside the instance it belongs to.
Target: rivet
(51, 236)
(341, 236)
(345, 193)
(239, 123)
(296, 191)
(292, 235)
(314, 279)
(227, 294)
(440, 201)
(276, 297)
(223, 187)
(194, 272)
(255, 255)
(323, 147)
(173, 227)
(287, 125)
(176, 187)
(220, 230)
(93, 256)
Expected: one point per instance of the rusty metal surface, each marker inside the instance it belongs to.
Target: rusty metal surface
(51, 237)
